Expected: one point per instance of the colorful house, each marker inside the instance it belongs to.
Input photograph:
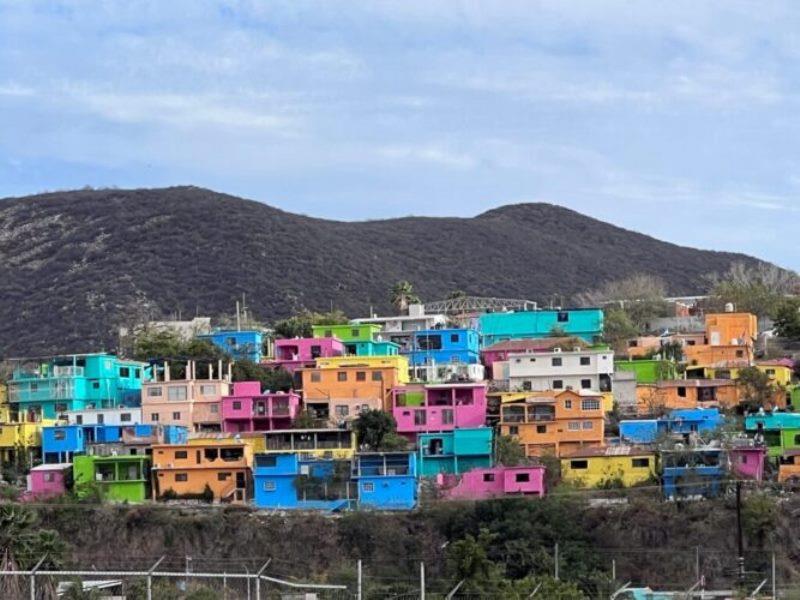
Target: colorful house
(550, 423)
(438, 407)
(386, 480)
(248, 409)
(500, 351)
(438, 346)
(20, 441)
(360, 339)
(609, 466)
(585, 323)
(121, 415)
(188, 471)
(48, 481)
(52, 387)
(709, 356)
(293, 481)
(731, 329)
(778, 431)
(644, 345)
(320, 443)
(61, 442)
(492, 482)
(245, 344)
(193, 402)
(692, 472)
(678, 422)
(120, 478)
(133, 440)
(688, 393)
(399, 329)
(437, 373)
(648, 370)
(746, 460)
(588, 369)
(454, 452)
(299, 353)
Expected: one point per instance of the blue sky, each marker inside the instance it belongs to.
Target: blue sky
(677, 119)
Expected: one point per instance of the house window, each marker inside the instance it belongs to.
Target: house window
(342, 410)
(797, 439)
(341, 376)
(79, 419)
(60, 434)
(101, 419)
(429, 342)
(223, 476)
(740, 354)
(771, 372)
(586, 384)
(590, 404)
(420, 417)
(269, 486)
(316, 376)
(514, 430)
(354, 333)
(266, 460)
(527, 386)
(361, 376)
(579, 464)
(587, 425)
(522, 477)
(558, 384)
(34, 387)
(540, 429)
(454, 338)
(61, 407)
(568, 404)
(125, 417)
(641, 463)
(237, 405)
(585, 361)
(181, 454)
(682, 392)
(181, 477)
(447, 416)
(208, 390)
(154, 416)
(563, 316)
(351, 349)
(124, 372)
(487, 477)
(49, 477)
(574, 426)
(743, 459)
(96, 385)
(214, 408)
(176, 416)
(137, 373)
(368, 486)
(328, 333)
(176, 393)
(154, 392)
(556, 361)
(377, 376)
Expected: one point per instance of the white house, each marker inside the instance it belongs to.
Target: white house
(121, 415)
(560, 369)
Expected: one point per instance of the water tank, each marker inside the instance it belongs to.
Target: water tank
(729, 307)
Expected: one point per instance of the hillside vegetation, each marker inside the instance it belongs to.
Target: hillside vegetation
(75, 265)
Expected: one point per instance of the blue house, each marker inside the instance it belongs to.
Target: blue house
(61, 443)
(241, 345)
(454, 452)
(692, 472)
(585, 323)
(386, 480)
(288, 482)
(440, 346)
(678, 422)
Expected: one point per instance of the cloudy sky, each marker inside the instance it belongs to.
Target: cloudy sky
(666, 117)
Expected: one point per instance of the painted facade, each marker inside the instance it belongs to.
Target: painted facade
(441, 346)
(731, 329)
(245, 344)
(126, 415)
(648, 371)
(400, 329)
(438, 407)
(778, 431)
(561, 369)
(609, 466)
(709, 356)
(348, 332)
(691, 473)
(500, 351)
(291, 481)
(248, 409)
(682, 422)
(454, 452)
(21, 440)
(321, 443)
(48, 481)
(448, 372)
(493, 482)
(49, 388)
(686, 394)
(585, 323)
(385, 480)
(549, 423)
(747, 461)
(299, 353)
(120, 478)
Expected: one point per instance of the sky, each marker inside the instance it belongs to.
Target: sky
(677, 119)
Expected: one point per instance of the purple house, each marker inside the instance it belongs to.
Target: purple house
(479, 484)
(248, 409)
(48, 481)
(747, 462)
(298, 353)
(438, 407)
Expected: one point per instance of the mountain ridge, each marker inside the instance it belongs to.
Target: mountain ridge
(75, 265)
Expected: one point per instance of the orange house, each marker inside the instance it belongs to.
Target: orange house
(555, 423)
(339, 394)
(643, 345)
(187, 469)
(731, 329)
(686, 393)
(708, 356)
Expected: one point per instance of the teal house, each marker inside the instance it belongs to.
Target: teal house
(45, 389)
(359, 339)
(454, 452)
(584, 323)
(778, 431)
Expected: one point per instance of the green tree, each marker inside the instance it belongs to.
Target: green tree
(299, 325)
(469, 557)
(787, 319)
(401, 295)
(759, 289)
(372, 427)
(509, 452)
(618, 328)
(305, 420)
(756, 388)
(455, 294)
(276, 380)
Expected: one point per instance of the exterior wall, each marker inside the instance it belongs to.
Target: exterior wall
(648, 371)
(595, 471)
(274, 478)
(386, 481)
(584, 323)
(445, 407)
(398, 363)
(655, 399)
(307, 349)
(320, 443)
(625, 392)
(48, 481)
(350, 382)
(61, 442)
(198, 406)
(748, 462)
(445, 346)
(643, 345)
(561, 370)
(348, 332)
(448, 372)
(454, 452)
(105, 416)
(241, 345)
(247, 409)
(479, 484)
(121, 478)
(729, 329)
(707, 355)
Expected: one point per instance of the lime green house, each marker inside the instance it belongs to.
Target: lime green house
(121, 478)
(359, 339)
(648, 370)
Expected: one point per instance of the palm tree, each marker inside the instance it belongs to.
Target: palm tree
(402, 294)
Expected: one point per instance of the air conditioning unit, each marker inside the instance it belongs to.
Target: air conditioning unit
(556, 350)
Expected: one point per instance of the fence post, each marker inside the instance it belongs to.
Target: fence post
(258, 579)
(33, 577)
(150, 578)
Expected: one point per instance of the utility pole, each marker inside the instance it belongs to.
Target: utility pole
(613, 569)
(359, 580)
(33, 577)
(697, 563)
(555, 557)
(774, 582)
(739, 530)
(422, 581)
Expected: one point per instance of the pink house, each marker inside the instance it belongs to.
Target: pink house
(48, 481)
(479, 484)
(499, 352)
(438, 407)
(298, 353)
(747, 462)
(248, 409)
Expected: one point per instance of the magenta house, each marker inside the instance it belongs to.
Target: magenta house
(248, 409)
(479, 484)
(298, 353)
(48, 481)
(747, 462)
(438, 407)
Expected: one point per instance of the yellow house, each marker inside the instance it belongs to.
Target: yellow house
(20, 437)
(392, 362)
(778, 373)
(608, 466)
(319, 443)
(253, 439)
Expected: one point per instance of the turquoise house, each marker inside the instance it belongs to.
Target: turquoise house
(454, 452)
(780, 431)
(359, 339)
(584, 323)
(45, 389)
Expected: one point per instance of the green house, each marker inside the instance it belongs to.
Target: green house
(781, 431)
(648, 370)
(348, 332)
(121, 478)
(454, 452)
